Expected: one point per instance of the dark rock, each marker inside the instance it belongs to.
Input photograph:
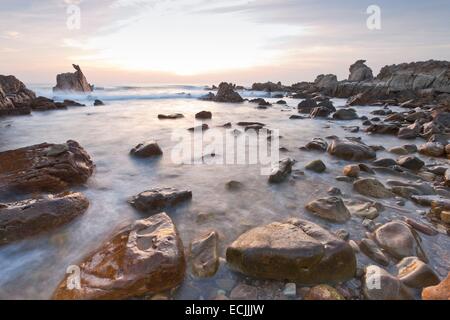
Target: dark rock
(316, 166)
(331, 208)
(282, 171)
(72, 81)
(410, 162)
(306, 106)
(159, 198)
(351, 150)
(345, 114)
(318, 144)
(170, 116)
(146, 150)
(203, 115)
(203, 127)
(226, 93)
(98, 102)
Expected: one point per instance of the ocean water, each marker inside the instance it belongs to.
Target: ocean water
(32, 268)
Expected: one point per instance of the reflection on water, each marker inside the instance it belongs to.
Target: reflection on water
(32, 268)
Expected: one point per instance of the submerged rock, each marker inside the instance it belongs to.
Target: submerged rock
(145, 257)
(282, 171)
(351, 150)
(146, 150)
(204, 256)
(25, 218)
(159, 198)
(371, 187)
(44, 167)
(295, 250)
(331, 208)
(72, 81)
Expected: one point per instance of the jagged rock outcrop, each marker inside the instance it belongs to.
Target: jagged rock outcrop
(268, 86)
(326, 83)
(15, 97)
(72, 81)
(359, 71)
(225, 93)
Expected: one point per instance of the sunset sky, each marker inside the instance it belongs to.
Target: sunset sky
(204, 41)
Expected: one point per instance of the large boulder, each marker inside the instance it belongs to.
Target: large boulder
(326, 83)
(359, 71)
(295, 250)
(15, 98)
(349, 149)
(143, 258)
(29, 217)
(226, 93)
(44, 167)
(72, 81)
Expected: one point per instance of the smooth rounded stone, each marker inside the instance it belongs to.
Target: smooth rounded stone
(295, 250)
(438, 292)
(410, 162)
(244, 292)
(416, 274)
(201, 128)
(421, 227)
(146, 150)
(203, 115)
(343, 234)
(143, 258)
(345, 114)
(281, 102)
(385, 162)
(316, 166)
(351, 170)
(378, 284)
(44, 167)
(323, 292)
(366, 210)
(333, 191)
(432, 149)
(318, 144)
(281, 171)
(370, 249)
(234, 185)
(397, 239)
(404, 150)
(159, 198)
(351, 150)
(171, 116)
(331, 208)
(371, 187)
(26, 218)
(306, 106)
(204, 256)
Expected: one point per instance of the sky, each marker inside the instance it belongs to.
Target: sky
(208, 41)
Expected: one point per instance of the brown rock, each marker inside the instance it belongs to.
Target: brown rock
(371, 187)
(351, 170)
(204, 255)
(438, 292)
(323, 292)
(72, 81)
(145, 257)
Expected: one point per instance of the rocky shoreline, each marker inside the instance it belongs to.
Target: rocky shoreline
(147, 258)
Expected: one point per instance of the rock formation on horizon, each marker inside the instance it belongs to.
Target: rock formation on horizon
(359, 71)
(72, 81)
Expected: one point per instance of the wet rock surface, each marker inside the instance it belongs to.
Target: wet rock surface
(159, 198)
(331, 208)
(146, 150)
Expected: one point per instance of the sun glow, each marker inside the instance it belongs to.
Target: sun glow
(186, 42)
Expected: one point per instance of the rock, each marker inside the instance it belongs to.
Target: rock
(331, 208)
(295, 250)
(399, 240)
(250, 123)
(351, 170)
(25, 218)
(72, 81)
(203, 115)
(15, 97)
(383, 128)
(345, 114)
(146, 150)
(281, 171)
(159, 198)
(234, 185)
(343, 234)
(145, 257)
(370, 249)
(208, 97)
(226, 93)
(281, 102)
(318, 144)
(432, 149)
(351, 150)
(359, 71)
(410, 162)
(416, 274)
(201, 128)
(326, 83)
(44, 167)
(371, 187)
(378, 284)
(98, 102)
(244, 292)
(323, 292)
(385, 162)
(421, 227)
(320, 112)
(72, 103)
(409, 132)
(404, 150)
(366, 210)
(204, 255)
(438, 292)
(268, 86)
(316, 166)
(170, 116)
(334, 191)
(290, 290)
(43, 104)
(306, 106)
(445, 216)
